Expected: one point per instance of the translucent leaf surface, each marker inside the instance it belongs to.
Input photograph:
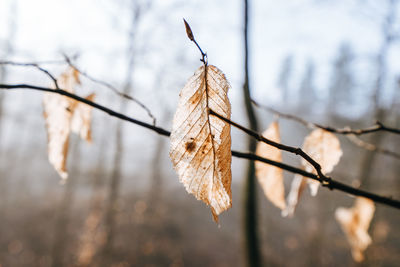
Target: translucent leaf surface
(200, 143)
(270, 177)
(296, 189)
(324, 148)
(58, 111)
(355, 223)
(82, 118)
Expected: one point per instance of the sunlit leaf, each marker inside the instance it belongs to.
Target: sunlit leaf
(296, 189)
(324, 148)
(81, 119)
(270, 177)
(200, 143)
(58, 111)
(355, 222)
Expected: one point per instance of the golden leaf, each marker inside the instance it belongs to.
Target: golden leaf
(58, 111)
(324, 148)
(296, 189)
(355, 223)
(270, 177)
(200, 143)
(81, 119)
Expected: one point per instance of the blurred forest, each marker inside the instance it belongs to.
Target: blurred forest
(122, 204)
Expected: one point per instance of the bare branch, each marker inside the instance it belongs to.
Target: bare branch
(35, 65)
(90, 103)
(331, 184)
(112, 88)
(328, 182)
(371, 147)
(190, 35)
(351, 134)
(295, 150)
(68, 60)
(379, 126)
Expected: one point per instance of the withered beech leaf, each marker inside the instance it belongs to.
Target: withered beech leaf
(58, 112)
(200, 143)
(82, 118)
(355, 223)
(296, 189)
(323, 147)
(270, 177)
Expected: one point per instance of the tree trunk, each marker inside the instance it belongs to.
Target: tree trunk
(8, 50)
(114, 186)
(378, 113)
(250, 196)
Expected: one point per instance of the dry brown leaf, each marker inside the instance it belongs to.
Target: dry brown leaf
(201, 144)
(57, 117)
(58, 111)
(355, 223)
(324, 148)
(296, 189)
(82, 118)
(69, 79)
(270, 177)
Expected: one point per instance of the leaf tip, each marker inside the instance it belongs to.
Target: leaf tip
(64, 177)
(215, 217)
(314, 186)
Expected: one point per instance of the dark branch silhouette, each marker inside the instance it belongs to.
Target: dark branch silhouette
(328, 182)
(112, 88)
(294, 150)
(68, 60)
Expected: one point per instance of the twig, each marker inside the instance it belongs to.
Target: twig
(298, 151)
(112, 88)
(331, 184)
(35, 65)
(69, 62)
(371, 147)
(350, 134)
(191, 37)
(90, 103)
(42, 62)
(379, 126)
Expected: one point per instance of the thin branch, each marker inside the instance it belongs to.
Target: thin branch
(371, 147)
(190, 35)
(112, 88)
(68, 60)
(90, 103)
(345, 131)
(35, 65)
(379, 126)
(296, 150)
(330, 183)
(42, 62)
